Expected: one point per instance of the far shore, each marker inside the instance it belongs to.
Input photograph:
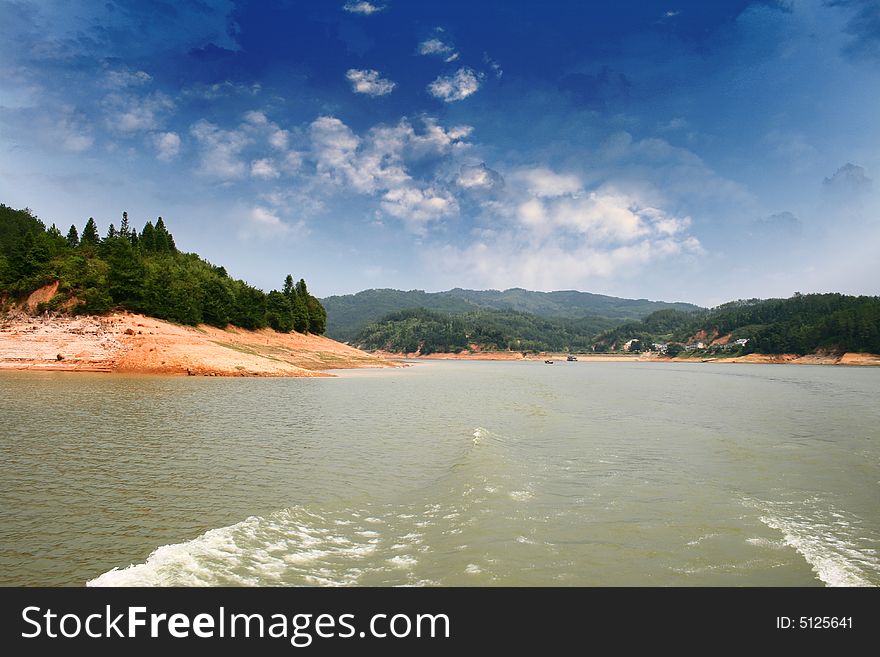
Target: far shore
(847, 359)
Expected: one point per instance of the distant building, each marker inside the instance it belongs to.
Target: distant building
(742, 342)
(660, 347)
(694, 346)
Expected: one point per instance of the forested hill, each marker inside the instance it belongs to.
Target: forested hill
(141, 271)
(349, 314)
(425, 331)
(802, 324)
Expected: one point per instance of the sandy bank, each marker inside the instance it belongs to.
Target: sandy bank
(125, 342)
(781, 359)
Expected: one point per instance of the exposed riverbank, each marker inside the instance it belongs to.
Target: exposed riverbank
(126, 342)
(775, 359)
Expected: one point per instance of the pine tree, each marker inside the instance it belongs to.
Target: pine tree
(161, 239)
(300, 315)
(289, 290)
(147, 241)
(90, 234)
(164, 240)
(124, 228)
(72, 237)
(111, 232)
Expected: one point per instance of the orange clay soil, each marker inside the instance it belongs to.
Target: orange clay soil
(124, 342)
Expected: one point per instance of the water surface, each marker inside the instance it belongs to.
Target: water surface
(446, 473)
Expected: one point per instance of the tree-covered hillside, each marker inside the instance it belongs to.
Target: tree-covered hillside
(143, 272)
(803, 324)
(349, 314)
(427, 332)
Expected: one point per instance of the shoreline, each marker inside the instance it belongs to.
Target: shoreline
(136, 344)
(849, 359)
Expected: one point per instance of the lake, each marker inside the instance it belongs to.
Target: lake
(445, 473)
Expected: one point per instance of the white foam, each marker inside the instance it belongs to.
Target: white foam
(521, 495)
(831, 547)
(403, 561)
(473, 569)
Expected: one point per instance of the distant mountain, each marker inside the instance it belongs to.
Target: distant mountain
(348, 315)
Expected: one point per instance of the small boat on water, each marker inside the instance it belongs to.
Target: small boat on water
(549, 362)
(571, 358)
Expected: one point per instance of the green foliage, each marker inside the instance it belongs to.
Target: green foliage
(349, 314)
(803, 324)
(141, 272)
(490, 330)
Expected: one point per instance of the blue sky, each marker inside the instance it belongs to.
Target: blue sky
(672, 150)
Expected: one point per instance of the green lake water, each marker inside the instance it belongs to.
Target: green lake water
(445, 473)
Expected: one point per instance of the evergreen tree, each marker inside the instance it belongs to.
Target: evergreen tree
(124, 228)
(90, 234)
(279, 312)
(147, 242)
(72, 237)
(300, 315)
(289, 291)
(111, 232)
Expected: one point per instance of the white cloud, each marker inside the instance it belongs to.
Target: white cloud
(544, 182)
(547, 231)
(438, 48)
(458, 86)
(167, 145)
(265, 169)
(221, 90)
(418, 207)
(495, 66)
(129, 113)
(368, 82)
(365, 8)
(479, 177)
(378, 164)
(256, 118)
(221, 150)
(279, 138)
(77, 142)
(505, 261)
(267, 221)
(119, 79)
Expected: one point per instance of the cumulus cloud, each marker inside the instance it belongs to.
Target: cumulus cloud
(220, 150)
(547, 230)
(368, 82)
(438, 48)
(458, 86)
(129, 113)
(364, 8)
(417, 207)
(167, 145)
(479, 178)
(265, 169)
(541, 181)
(378, 162)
